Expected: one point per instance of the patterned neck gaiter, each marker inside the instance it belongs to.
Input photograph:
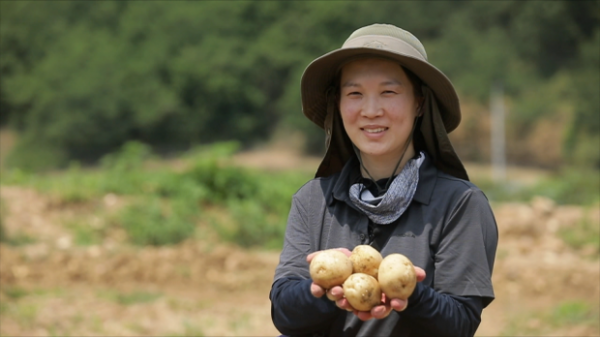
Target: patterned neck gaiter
(388, 207)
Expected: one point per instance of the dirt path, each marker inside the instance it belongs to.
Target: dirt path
(51, 286)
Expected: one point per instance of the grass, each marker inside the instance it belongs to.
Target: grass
(165, 206)
(23, 313)
(241, 323)
(18, 239)
(14, 293)
(84, 234)
(584, 234)
(189, 330)
(573, 186)
(566, 315)
(130, 298)
(158, 221)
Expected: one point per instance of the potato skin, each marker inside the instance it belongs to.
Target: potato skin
(330, 268)
(397, 276)
(365, 259)
(362, 291)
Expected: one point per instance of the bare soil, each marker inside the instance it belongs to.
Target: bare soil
(203, 287)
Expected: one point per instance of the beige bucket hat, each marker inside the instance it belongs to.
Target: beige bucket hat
(441, 108)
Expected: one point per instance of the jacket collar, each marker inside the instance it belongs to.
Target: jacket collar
(350, 173)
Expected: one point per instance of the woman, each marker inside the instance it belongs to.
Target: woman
(391, 179)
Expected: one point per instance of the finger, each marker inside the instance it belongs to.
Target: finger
(381, 311)
(311, 256)
(420, 274)
(316, 290)
(398, 304)
(363, 315)
(345, 251)
(335, 293)
(344, 305)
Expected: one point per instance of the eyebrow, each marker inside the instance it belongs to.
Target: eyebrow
(353, 84)
(350, 84)
(391, 82)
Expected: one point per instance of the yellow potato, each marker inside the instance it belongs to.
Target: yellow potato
(330, 268)
(365, 259)
(397, 276)
(362, 291)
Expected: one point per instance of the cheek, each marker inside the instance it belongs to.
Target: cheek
(348, 111)
(403, 111)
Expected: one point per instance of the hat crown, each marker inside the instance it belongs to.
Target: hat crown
(389, 31)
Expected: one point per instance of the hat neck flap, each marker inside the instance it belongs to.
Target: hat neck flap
(337, 143)
(437, 143)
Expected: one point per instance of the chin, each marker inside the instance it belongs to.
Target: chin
(375, 152)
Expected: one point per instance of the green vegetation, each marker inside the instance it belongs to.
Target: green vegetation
(3, 237)
(17, 239)
(566, 315)
(84, 234)
(24, 313)
(14, 293)
(130, 298)
(585, 234)
(152, 221)
(80, 79)
(190, 330)
(575, 186)
(164, 206)
(243, 206)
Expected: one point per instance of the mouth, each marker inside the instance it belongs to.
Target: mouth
(374, 130)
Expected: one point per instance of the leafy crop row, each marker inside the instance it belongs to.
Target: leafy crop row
(165, 205)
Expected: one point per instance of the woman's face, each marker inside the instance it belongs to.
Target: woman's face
(378, 108)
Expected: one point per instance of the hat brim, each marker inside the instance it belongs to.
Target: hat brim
(319, 75)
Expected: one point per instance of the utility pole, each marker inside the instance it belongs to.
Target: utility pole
(498, 143)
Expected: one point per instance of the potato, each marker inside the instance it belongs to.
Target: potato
(330, 268)
(365, 259)
(397, 276)
(362, 291)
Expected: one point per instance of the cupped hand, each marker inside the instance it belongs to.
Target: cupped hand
(318, 291)
(386, 306)
(336, 294)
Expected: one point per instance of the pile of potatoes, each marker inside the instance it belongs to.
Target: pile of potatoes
(364, 275)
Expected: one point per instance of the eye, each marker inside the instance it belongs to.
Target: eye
(388, 92)
(354, 93)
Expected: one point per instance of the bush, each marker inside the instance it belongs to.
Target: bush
(155, 221)
(251, 225)
(166, 204)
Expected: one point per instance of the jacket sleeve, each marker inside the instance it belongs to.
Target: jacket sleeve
(464, 259)
(466, 248)
(296, 312)
(293, 308)
(437, 314)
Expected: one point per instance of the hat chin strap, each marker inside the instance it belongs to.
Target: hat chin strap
(380, 190)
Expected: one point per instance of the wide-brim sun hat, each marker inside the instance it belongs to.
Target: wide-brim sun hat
(390, 42)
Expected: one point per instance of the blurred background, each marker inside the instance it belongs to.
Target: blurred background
(149, 152)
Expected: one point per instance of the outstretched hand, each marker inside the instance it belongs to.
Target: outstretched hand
(336, 294)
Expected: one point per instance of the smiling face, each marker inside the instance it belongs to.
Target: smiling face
(378, 108)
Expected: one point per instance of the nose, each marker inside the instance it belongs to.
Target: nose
(372, 108)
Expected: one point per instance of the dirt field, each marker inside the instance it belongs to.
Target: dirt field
(51, 287)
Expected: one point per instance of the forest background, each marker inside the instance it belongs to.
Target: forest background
(78, 79)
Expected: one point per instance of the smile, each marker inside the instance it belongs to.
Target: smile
(377, 130)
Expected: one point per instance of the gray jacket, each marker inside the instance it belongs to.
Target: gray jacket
(448, 230)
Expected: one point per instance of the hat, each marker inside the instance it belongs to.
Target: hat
(390, 42)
